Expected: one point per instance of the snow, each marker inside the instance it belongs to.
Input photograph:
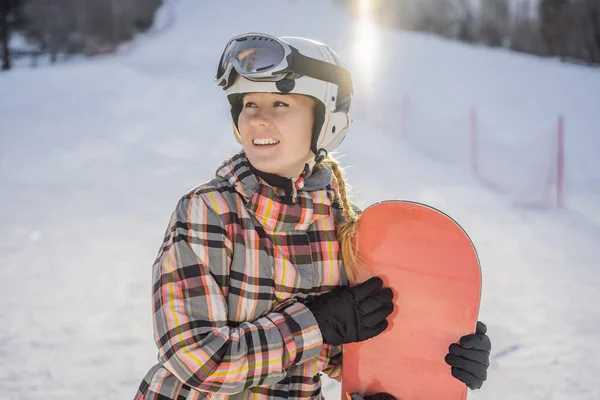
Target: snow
(95, 153)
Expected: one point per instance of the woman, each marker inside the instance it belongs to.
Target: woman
(251, 294)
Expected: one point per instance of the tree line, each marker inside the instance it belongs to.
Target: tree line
(568, 29)
(72, 26)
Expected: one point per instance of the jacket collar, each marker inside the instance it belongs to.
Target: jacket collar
(268, 202)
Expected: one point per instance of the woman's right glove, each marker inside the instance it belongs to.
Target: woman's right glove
(471, 358)
(353, 314)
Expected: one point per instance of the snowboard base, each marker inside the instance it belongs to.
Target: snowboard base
(433, 268)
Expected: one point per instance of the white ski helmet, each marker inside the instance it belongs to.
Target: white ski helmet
(260, 63)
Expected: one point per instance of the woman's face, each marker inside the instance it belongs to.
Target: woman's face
(276, 132)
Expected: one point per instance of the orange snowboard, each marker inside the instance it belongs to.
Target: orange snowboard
(433, 269)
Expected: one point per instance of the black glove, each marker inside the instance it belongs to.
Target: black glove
(347, 315)
(376, 396)
(470, 360)
(380, 396)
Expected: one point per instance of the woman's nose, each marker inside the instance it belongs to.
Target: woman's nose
(261, 117)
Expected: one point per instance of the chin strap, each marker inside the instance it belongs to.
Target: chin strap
(298, 183)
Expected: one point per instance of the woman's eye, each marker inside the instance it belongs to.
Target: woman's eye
(275, 104)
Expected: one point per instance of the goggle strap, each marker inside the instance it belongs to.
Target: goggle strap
(323, 71)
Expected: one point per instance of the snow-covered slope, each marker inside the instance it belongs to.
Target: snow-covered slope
(94, 155)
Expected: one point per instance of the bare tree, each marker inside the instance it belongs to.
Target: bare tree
(446, 18)
(12, 20)
(495, 22)
(466, 31)
(587, 31)
(525, 31)
(556, 21)
(5, 33)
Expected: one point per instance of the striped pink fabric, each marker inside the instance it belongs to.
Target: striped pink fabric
(230, 284)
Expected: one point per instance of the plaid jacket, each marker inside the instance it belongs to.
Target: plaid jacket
(229, 284)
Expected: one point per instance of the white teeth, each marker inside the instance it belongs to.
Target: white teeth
(265, 141)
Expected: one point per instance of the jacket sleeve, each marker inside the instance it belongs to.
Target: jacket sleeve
(191, 328)
(333, 369)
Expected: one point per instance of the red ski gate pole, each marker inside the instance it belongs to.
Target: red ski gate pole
(560, 162)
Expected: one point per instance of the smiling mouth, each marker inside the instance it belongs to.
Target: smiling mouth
(265, 142)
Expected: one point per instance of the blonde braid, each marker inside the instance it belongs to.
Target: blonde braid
(347, 230)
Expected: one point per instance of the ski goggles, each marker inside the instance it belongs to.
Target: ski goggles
(261, 57)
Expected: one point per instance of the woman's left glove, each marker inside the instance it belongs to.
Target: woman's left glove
(471, 358)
